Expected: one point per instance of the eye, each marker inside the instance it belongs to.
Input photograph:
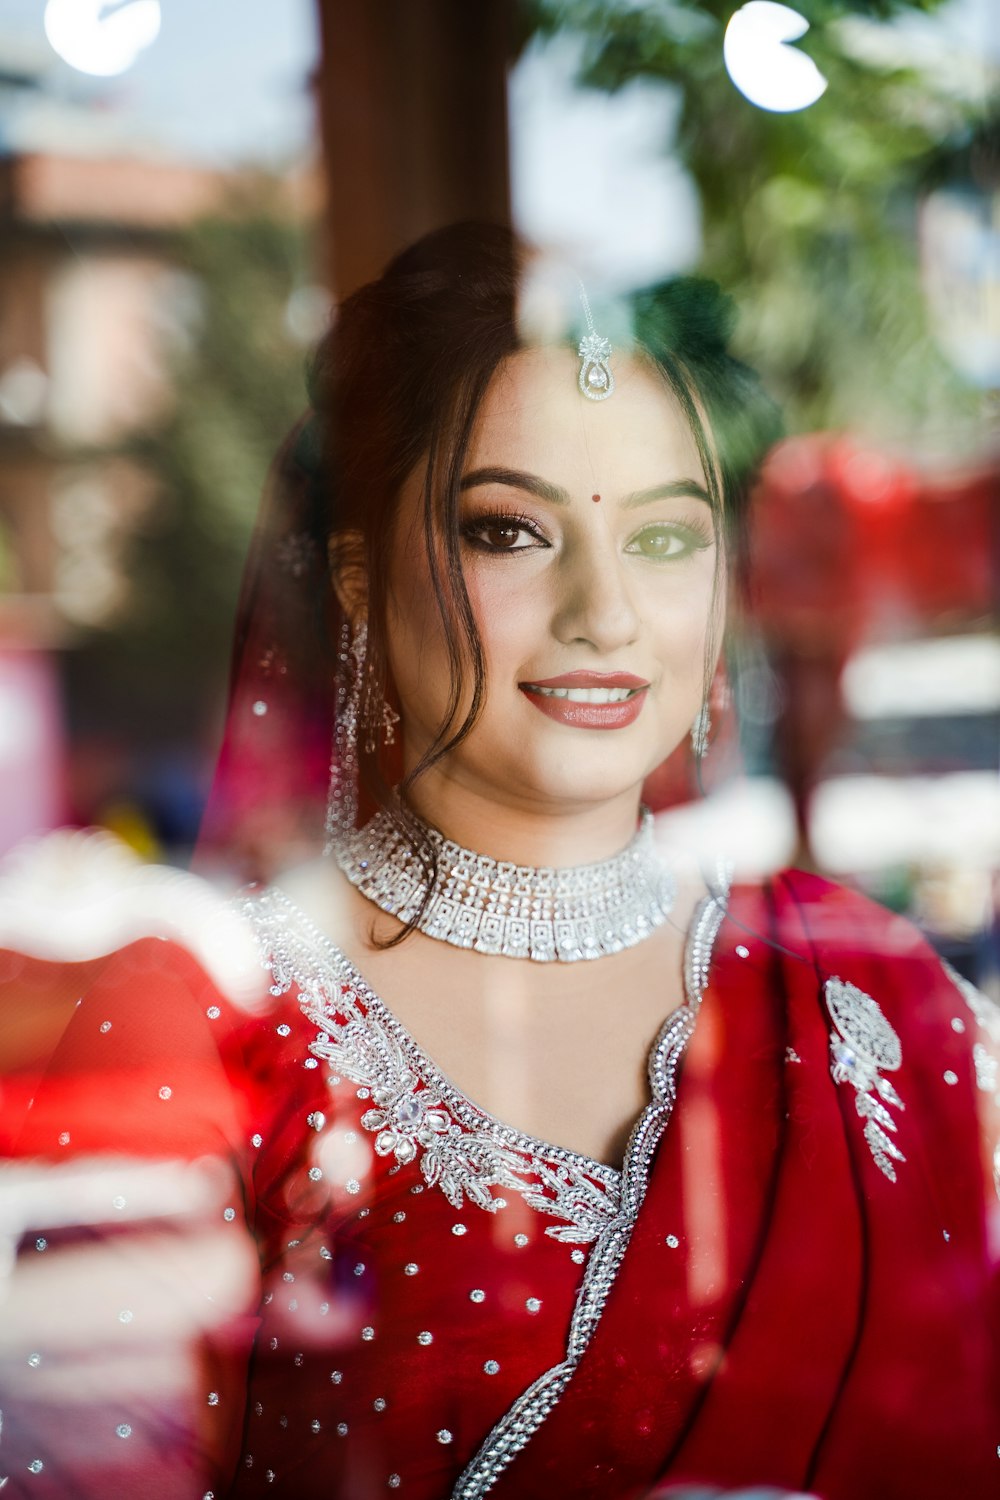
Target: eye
(502, 533)
(663, 543)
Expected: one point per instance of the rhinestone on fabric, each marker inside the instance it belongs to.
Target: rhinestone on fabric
(491, 1367)
(379, 1404)
(417, 1108)
(672, 1241)
(425, 1338)
(411, 1268)
(443, 1435)
(368, 1334)
(533, 1304)
(477, 1295)
(515, 1429)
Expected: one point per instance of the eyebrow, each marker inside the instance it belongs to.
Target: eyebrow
(517, 480)
(555, 495)
(677, 489)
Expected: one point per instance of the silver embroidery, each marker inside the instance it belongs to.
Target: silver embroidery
(862, 1045)
(986, 1013)
(529, 1411)
(985, 1057)
(417, 1112)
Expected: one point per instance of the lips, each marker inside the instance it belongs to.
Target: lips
(589, 700)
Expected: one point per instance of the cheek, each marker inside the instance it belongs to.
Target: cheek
(415, 632)
(685, 622)
(511, 610)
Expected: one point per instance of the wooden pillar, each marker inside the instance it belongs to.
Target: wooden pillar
(414, 120)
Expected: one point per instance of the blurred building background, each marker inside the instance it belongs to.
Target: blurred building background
(164, 270)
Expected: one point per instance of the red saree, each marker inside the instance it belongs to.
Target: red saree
(789, 1284)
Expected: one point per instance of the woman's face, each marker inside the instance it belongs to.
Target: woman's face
(590, 556)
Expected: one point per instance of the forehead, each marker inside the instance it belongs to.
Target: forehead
(533, 417)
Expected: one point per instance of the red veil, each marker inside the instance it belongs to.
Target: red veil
(267, 801)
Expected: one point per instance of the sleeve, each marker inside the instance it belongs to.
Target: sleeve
(981, 1018)
(132, 1279)
(908, 1058)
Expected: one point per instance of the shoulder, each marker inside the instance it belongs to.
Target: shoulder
(138, 1061)
(829, 938)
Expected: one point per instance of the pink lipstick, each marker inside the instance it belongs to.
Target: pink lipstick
(589, 700)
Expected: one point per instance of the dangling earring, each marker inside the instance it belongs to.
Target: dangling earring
(700, 731)
(342, 799)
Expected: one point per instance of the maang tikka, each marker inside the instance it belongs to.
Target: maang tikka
(352, 666)
(596, 379)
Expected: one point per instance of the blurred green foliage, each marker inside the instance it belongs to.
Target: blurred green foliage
(808, 218)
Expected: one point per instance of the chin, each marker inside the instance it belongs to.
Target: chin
(566, 782)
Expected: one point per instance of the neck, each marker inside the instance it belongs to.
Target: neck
(523, 833)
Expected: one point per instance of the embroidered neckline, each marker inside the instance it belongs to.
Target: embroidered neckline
(522, 1420)
(418, 1111)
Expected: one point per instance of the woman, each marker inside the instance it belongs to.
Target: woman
(572, 1171)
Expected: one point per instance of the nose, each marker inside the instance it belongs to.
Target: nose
(594, 603)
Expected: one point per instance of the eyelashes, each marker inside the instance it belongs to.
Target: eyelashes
(502, 532)
(496, 532)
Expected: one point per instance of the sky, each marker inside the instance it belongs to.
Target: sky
(225, 83)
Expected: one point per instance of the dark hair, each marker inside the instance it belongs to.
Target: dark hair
(401, 378)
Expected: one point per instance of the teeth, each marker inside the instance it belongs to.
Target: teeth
(587, 695)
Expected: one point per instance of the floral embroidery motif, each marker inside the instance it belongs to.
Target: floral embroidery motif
(862, 1045)
(416, 1114)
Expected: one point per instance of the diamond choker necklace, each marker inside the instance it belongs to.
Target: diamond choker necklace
(565, 914)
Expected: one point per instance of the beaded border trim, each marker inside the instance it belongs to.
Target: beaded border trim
(516, 1428)
(462, 1149)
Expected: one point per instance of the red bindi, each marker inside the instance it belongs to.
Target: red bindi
(595, 498)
